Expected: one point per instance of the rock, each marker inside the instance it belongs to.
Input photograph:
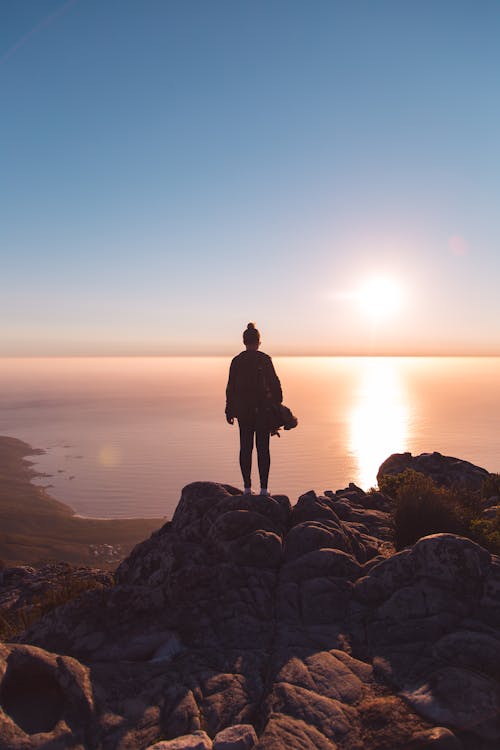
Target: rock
(487, 502)
(445, 471)
(451, 560)
(43, 693)
(243, 611)
(460, 698)
(26, 589)
(312, 535)
(195, 741)
(438, 738)
(470, 649)
(418, 603)
(490, 512)
(239, 737)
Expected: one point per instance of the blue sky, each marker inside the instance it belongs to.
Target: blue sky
(172, 169)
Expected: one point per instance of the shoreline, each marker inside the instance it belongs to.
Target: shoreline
(34, 474)
(36, 527)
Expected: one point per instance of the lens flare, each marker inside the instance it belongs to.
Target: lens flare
(109, 456)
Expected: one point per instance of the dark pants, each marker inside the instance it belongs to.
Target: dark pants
(247, 433)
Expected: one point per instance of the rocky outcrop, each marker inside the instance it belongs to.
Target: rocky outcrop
(430, 619)
(238, 737)
(245, 622)
(445, 471)
(25, 590)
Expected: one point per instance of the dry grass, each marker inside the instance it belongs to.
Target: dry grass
(14, 622)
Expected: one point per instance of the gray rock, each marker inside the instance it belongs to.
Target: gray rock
(470, 649)
(438, 738)
(460, 698)
(312, 535)
(239, 737)
(446, 471)
(195, 741)
(43, 693)
(490, 512)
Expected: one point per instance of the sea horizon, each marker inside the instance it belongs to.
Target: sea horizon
(207, 355)
(123, 435)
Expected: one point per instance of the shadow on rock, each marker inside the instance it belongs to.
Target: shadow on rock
(299, 622)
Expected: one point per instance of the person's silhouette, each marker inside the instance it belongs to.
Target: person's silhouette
(252, 388)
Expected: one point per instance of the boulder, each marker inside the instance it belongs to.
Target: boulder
(240, 737)
(438, 738)
(445, 471)
(195, 741)
(459, 698)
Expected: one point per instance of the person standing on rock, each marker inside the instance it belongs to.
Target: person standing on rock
(253, 388)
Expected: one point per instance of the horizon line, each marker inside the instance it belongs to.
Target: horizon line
(360, 355)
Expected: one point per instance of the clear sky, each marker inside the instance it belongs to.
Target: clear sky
(171, 169)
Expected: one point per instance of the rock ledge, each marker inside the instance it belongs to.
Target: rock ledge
(245, 623)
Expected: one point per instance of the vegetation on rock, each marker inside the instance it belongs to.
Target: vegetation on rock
(53, 591)
(422, 507)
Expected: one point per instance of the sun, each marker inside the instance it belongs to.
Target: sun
(380, 297)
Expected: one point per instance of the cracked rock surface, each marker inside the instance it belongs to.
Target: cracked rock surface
(297, 622)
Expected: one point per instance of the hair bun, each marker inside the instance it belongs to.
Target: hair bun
(251, 335)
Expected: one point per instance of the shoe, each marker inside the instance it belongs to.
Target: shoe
(264, 491)
(247, 491)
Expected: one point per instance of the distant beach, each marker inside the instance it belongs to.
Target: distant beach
(35, 527)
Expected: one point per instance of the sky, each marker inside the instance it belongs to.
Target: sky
(171, 169)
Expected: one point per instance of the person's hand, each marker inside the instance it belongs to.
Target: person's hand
(230, 420)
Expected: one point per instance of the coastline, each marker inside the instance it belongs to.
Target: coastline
(35, 527)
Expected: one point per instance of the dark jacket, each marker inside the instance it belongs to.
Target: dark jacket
(252, 386)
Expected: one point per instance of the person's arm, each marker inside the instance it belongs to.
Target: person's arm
(274, 384)
(230, 393)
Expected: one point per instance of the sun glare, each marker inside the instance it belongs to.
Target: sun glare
(379, 422)
(380, 297)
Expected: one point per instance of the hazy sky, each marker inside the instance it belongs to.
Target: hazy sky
(171, 169)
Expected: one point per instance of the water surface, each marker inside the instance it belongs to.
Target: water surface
(124, 435)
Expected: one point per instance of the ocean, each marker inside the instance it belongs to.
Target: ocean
(123, 435)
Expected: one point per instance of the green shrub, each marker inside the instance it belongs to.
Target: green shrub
(390, 484)
(486, 532)
(491, 486)
(422, 508)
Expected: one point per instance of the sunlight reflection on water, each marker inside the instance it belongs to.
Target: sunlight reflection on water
(379, 421)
